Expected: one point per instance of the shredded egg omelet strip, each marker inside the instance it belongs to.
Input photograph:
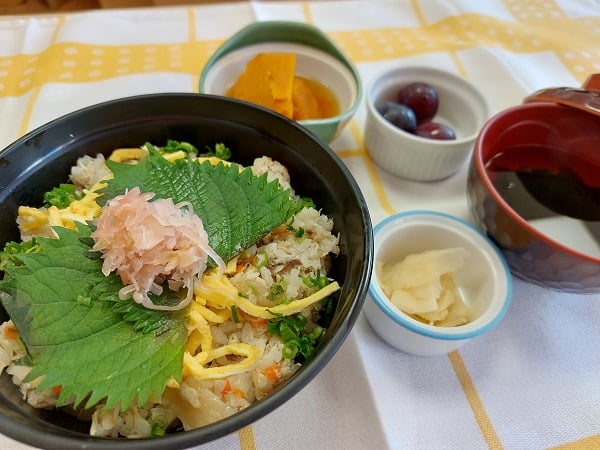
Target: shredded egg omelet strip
(39, 221)
(214, 296)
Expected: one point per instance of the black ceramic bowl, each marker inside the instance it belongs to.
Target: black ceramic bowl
(42, 159)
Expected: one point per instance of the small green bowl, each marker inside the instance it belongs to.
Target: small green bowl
(317, 57)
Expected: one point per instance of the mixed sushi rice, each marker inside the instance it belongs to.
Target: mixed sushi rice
(234, 356)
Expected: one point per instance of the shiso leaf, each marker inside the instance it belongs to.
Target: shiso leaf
(64, 309)
(237, 208)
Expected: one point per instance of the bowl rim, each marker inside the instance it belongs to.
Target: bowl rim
(443, 333)
(282, 31)
(483, 176)
(55, 436)
(386, 77)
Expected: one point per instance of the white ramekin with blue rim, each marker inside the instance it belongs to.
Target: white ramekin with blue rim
(484, 281)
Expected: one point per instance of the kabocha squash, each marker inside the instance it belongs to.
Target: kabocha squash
(270, 81)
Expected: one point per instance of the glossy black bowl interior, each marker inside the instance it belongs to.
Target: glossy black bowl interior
(42, 159)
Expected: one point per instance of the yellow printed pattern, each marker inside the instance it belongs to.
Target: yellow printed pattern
(535, 32)
(76, 62)
(470, 30)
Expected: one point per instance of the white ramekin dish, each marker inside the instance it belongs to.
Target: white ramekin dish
(484, 282)
(461, 106)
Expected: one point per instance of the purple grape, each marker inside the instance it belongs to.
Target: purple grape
(434, 130)
(422, 98)
(399, 115)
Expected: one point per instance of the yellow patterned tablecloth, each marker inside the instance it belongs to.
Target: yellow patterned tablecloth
(532, 382)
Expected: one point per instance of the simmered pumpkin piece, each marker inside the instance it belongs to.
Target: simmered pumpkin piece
(268, 81)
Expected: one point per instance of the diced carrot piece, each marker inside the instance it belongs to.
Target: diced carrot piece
(257, 322)
(272, 372)
(227, 389)
(10, 332)
(239, 393)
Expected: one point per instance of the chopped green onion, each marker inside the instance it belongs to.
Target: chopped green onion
(221, 151)
(316, 282)
(290, 350)
(179, 146)
(307, 202)
(296, 340)
(157, 430)
(277, 290)
(234, 314)
(61, 196)
(298, 232)
(10, 254)
(262, 259)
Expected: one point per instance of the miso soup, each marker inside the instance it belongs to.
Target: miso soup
(556, 192)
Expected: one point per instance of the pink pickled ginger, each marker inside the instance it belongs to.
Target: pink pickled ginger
(149, 243)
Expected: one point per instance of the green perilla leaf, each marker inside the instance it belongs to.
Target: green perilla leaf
(64, 309)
